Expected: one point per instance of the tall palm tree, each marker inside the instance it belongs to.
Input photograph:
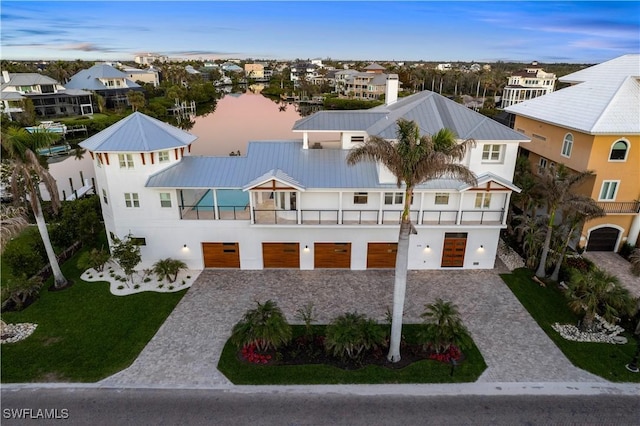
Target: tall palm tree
(413, 159)
(21, 147)
(556, 188)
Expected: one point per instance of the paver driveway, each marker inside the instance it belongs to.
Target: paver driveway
(186, 349)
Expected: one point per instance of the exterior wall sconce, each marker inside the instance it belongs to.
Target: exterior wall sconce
(306, 248)
(481, 248)
(184, 247)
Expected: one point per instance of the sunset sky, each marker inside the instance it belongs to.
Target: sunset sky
(583, 32)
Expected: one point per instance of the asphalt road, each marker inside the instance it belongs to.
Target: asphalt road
(91, 406)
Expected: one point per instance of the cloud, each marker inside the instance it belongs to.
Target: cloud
(86, 47)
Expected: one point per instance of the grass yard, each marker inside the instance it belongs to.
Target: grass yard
(426, 371)
(547, 305)
(84, 333)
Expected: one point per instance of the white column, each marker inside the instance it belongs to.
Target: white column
(253, 221)
(216, 215)
(380, 208)
(506, 208)
(422, 202)
(634, 230)
(459, 218)
(298, 213)
(305, 140)
(340, 208)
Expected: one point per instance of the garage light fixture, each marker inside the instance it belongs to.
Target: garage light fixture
(306, 248)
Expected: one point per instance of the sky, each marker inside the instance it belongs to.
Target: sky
(546, 31)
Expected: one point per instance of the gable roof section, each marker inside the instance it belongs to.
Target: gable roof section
(138, 133)
(429, 110)
(273, 174)
(602, 104)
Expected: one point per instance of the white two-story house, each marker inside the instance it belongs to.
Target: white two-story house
(296, 203)
(107, 81)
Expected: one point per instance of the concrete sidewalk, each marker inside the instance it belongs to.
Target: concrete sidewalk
(186, 349)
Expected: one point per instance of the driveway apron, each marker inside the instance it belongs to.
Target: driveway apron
(185, 350)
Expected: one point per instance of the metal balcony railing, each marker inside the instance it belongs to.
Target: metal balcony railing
(611, 207)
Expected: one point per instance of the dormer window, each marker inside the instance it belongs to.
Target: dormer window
(619, 151)
(163, 156)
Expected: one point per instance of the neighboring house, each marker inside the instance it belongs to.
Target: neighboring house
(527, 84)
(287, 204)
(149, 75)
(443, 67)
(368, 85)
(254, 71)
(304, 70)
(593, 125)
(107, 81)
(150, 58)
(49, 97)
(230, 67)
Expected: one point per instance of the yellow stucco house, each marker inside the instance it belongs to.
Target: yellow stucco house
(594, 124)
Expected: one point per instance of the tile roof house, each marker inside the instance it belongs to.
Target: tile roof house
(594, 124)
(49, 97)
(107, 81)
(289, 204)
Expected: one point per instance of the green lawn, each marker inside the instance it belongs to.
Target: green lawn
(547, 305)
(84, 333)
(427, 371)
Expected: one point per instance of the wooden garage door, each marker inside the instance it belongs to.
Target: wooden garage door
(281, 255)
(603, 239)
(332, 255)
(221, 255)
(454, 249)
(381, 255)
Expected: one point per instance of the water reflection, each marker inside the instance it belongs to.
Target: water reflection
(225, 126)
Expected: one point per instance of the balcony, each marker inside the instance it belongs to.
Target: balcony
(625, 207)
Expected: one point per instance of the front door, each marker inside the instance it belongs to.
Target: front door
(455, 244)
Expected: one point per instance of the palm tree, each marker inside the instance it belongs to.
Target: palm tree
(413, 159)
(444, 327)
(12, 222)
(635, 262)
(265, 326)
(168, 268)
(598, 292)
(574, 221)
(21, 147)
(352, 334)
(555, 187)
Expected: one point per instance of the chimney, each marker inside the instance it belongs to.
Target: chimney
(5, 76)
(391, 89)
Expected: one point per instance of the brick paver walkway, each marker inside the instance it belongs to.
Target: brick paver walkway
(614, 264)
(186, 349)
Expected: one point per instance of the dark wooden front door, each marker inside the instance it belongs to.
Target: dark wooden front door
(281, 255)
(332, 255)
(454, 250)
(221, 255)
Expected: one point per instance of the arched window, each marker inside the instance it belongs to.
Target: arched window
(567, 145)
(619, 151)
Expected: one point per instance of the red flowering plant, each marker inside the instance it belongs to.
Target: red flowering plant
(443, 332)
(250, 355)
(451, 354)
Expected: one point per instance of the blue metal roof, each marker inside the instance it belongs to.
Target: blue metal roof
(89, 79)
(429, 110)
(138, 133)
(287, 162)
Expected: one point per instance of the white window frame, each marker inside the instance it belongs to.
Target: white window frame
(567, 145)
(606, 190)
(626, 154)
(131, 200)
(397, 198)
(542, 163)
(104, 196)
(360, 198)
(444, 196)
(126, 161)
(489, 151)
(483, 200)
(165, 199)
(163, 156)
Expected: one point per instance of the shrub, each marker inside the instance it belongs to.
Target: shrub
(168, 268)
(634, 258)
(443, 327)
(127, 253)
(20, 291)
(626, 250)
(351, 334)
(94, 259)
(24, 258)
(120, 287)
(137, 286)
(307, 315)
(265, 326)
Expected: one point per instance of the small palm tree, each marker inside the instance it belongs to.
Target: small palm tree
(168, 269)
(635, 262)
(265, 326)
(413, 159)
(443, 327)
(19, 290)
(20, 147)
(351, 334)
(598, 292)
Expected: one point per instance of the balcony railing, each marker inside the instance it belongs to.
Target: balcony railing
(630, 207)
(201, 212)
